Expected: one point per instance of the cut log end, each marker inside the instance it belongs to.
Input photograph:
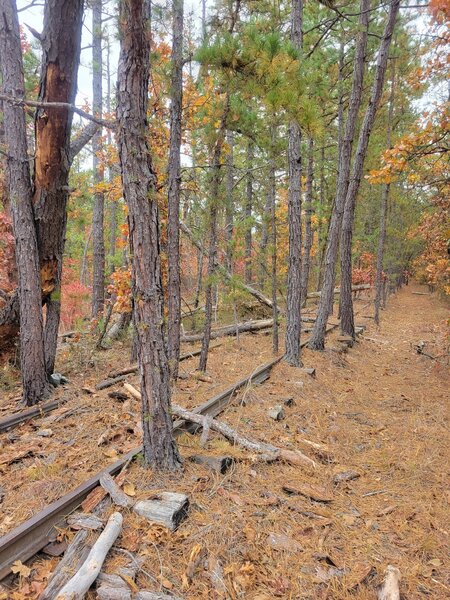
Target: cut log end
(169, 509)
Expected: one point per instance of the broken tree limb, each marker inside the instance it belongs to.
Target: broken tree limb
(109, 382)
(77, 587)
(231, 330)
(390, 589)
(271, 452)
(223, 271)
(117, 495)
(74, 557)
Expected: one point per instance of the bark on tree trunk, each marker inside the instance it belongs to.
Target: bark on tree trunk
(229, 203)
(273, 232)
(212, 250)
(139, 187)
(320, 240)
(60, 44)
(98, 277)
(308, 227)
(317, 340)
(34, 379)
(248, 213)
(383, 208)
(293, 301)
(174, 181)
(347, 315)
(262, 258)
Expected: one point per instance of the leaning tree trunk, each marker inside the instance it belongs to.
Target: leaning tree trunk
(98, 241)
(347, 314)
(317, 340)
(308, 226)
(32, 357)
(248, 213)
(383, 209)
(212, 250)
(60, 44)
(174, 181)
(139, 188)
(293, 300)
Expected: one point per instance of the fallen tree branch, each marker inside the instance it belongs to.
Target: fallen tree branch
(270, 452)
(231, 330)
(77, 587)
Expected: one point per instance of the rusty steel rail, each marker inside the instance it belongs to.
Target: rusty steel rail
(35, 411)
(31, 536)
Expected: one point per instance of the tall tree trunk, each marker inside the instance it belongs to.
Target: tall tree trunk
(198, 285)
(320, 237)
(292, 343)
(248, 213)
(32, 357)
(383, 209)
(317, 340)
(139, 187)
(212, 250)
(273, 239)
(60, 44)
(98, 277)
(308, 226)
(347, 314)
(174, 182)
(229, 203)
(262, 256)
(111, 169)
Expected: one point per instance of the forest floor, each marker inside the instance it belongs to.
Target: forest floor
(380, 408)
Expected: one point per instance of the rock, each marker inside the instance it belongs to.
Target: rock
(44, 433)
(289, 401)
(221, 464)
(345, 476)
(309, 371)
(55, 379)
(277, 413)
(280, 541)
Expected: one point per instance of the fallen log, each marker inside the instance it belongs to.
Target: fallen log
(72, 560)
(270, 452)
(231, 330)
(79, 584)
(355, 288)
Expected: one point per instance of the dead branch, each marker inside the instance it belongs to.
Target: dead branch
(77, 587)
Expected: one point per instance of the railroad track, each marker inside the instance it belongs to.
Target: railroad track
(33, 534)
